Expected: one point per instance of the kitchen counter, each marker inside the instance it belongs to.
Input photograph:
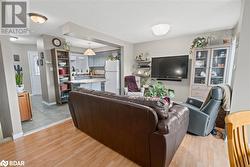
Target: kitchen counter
(87, 81)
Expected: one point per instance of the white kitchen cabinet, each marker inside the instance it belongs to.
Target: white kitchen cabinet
(96, 86)
(93, 86)
(98, 60)
(91, 61)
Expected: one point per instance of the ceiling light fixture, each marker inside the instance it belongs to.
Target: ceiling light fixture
(12, 39)
(160, 29)
(89, 52)
(38, 18)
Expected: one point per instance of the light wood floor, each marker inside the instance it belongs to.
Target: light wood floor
(64, 145)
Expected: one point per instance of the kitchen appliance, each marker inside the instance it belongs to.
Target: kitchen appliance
(112, 76)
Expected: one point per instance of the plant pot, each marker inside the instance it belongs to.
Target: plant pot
(20, 89)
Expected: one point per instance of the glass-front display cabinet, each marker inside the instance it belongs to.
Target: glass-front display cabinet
(209, 68)
(201, 66)
(218, 66)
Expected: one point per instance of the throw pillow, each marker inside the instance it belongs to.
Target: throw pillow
(160, 106)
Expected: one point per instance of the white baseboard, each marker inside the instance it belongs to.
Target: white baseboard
(45, 127)
(49, 104)
(5, 140)
(17, 135)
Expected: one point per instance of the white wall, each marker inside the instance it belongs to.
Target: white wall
(44, 44)
(174, 47)
(241, 89)
(127, 59)
(22, 51)
(9, 110)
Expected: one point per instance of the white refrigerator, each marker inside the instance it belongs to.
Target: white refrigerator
(112, 76)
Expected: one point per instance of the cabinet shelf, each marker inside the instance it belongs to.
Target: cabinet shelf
(63, 58)
(219, 67)
(217, 77)
(201, 58)
(219, 57)
(61, 79)
(200, 67)
(199, 77)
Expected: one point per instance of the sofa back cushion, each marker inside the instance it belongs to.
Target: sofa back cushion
(161, 107)
(123, 126)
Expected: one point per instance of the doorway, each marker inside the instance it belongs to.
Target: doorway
(43, 115)
(34, 73)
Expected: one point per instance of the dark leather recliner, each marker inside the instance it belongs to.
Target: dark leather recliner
(202, 117)
(131, 129)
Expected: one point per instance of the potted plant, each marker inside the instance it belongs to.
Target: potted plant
(159, 90)
(19, 78)
(199, 42)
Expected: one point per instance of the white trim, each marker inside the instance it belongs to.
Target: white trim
(47, 126)
(49, 104)
(17, 135)
(5, 140)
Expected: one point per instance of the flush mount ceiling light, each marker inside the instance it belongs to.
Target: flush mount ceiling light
(160, 29)
(89, 52)
(12, 39)
(38, 18)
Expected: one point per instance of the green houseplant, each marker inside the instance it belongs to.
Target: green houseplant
(199, 42)
(19, 78)
(159, 90)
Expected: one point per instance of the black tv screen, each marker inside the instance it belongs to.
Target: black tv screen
(174, 67)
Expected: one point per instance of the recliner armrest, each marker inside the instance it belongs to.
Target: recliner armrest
(198, 122)
(195, 102)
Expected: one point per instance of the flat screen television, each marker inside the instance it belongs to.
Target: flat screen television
(170, 68)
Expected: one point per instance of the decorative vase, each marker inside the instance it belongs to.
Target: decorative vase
(20, 89)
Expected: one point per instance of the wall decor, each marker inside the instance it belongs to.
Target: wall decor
(16, 57)
(42, 55)
(41, 58)
(56, 42)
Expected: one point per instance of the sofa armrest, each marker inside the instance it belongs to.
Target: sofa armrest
(195, 102)
(176, 117)
(164, 146)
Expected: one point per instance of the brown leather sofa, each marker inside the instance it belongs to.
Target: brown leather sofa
(131, 129)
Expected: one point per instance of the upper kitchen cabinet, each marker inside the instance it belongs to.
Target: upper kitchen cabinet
(97, 60)
(91, 61)
(79, 62)
(100, 58)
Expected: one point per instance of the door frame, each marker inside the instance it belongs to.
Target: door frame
(30, 70)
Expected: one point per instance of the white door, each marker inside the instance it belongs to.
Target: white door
(34, 73)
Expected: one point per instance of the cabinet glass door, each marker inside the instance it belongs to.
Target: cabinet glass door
(201, 67)
(218, 66)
